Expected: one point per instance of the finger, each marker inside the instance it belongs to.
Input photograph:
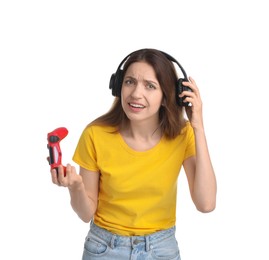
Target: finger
(189, 100)
(68, 170)
(61, 176)
(191, 84)
(192, 81)
(54, 176)
(187, 94)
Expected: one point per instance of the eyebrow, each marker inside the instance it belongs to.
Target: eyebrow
(147, 80)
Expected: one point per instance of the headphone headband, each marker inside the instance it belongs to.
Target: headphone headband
(168, 56)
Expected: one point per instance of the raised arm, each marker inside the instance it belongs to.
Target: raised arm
(199, 169)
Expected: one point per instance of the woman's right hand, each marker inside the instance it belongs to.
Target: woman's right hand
(69, 179)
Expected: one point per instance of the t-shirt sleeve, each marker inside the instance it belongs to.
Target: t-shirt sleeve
(190, 146)
(85, 153)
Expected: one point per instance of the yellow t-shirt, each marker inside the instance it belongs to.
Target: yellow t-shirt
(137, 193)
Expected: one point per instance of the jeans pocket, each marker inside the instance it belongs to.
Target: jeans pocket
(166, 249)
(95, 246)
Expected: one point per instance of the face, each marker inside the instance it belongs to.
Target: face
(141, 93)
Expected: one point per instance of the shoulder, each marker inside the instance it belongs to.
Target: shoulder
(187, 129)
(188, 126)
(99, 130)
(185, 135)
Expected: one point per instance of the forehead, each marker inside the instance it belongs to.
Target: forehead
(140, 68)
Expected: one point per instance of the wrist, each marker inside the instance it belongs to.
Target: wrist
(75, 187)
(198, 127)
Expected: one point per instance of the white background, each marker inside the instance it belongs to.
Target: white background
(56, 59)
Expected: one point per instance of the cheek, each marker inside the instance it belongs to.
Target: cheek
(123, 96)
(123, 103)
(124, 93)
(157, 100)
(156, 104)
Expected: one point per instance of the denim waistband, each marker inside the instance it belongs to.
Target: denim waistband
(114, 240)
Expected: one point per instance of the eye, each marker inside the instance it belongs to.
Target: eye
(151, 86)
(129, 82)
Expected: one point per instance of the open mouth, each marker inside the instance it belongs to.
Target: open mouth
(134, 105)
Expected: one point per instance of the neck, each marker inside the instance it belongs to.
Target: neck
(142, 131)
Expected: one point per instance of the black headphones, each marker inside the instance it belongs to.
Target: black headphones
(116, 80)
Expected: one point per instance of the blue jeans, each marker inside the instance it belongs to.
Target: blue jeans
(102, 244)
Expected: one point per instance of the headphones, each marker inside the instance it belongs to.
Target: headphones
(116, 79)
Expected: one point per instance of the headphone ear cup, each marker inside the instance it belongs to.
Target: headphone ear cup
(112, 83)
(116, 83)
(179, 89)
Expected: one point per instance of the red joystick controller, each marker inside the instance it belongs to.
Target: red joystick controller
(55, 153)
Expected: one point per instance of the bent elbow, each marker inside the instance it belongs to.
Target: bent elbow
(85, 219)
(206, 208)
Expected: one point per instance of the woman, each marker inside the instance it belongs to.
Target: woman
(130, 159)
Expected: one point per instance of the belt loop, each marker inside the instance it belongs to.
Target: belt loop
(147, 243)
(112, 242)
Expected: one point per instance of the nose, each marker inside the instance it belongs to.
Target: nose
(137, 91)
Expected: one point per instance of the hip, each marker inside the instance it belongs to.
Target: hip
(102, 244)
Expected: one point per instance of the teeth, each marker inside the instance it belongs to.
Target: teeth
(136, 105)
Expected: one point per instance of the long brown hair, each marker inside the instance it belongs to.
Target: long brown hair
(170, 114)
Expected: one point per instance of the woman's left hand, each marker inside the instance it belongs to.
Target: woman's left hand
(194, 112)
